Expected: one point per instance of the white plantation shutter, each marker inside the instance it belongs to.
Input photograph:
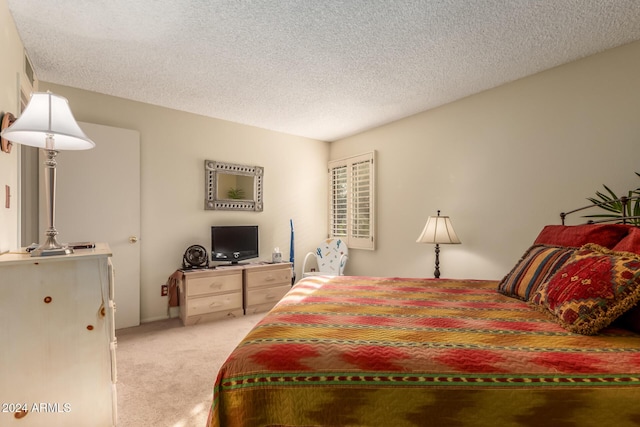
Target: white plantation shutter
(351, 210)
(338, 211)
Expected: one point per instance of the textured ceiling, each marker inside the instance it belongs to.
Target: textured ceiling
(324, 69)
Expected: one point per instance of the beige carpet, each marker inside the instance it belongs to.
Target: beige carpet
(166, 371)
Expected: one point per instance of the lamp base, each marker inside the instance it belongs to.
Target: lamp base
(51, 248)
(51, 252)
(436, 272)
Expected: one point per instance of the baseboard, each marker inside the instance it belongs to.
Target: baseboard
(153, 319)
(173, 313)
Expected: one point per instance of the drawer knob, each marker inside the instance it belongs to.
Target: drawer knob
(20, 414)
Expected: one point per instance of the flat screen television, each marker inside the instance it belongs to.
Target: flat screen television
(234, 243)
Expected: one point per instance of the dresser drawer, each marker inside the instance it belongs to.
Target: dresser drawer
(216, 315)
(213, 303)
(266, 295)
(214, 284)
(270, 277)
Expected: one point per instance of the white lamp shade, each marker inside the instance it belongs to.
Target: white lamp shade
(48, 115)
(438, 229)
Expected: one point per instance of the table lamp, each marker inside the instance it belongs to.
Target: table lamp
(47, 123)
(438, 230)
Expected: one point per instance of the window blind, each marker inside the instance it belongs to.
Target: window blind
(351, 211)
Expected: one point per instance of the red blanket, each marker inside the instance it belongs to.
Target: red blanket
(405, 352)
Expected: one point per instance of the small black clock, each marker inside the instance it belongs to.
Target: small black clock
(195, 257)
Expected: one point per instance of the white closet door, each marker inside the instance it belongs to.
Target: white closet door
(98, 199)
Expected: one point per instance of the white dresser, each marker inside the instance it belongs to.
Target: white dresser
(58, 340)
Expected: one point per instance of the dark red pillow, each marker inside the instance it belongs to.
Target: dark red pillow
(607, 235)
(630, 243)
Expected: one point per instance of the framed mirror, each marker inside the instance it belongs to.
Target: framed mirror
(232, 187)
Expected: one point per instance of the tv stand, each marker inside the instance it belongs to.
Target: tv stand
(232, 290)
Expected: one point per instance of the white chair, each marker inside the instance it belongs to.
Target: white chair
(331, 258)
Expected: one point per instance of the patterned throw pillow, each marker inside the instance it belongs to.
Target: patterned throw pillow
(538, 264)
(593, 288)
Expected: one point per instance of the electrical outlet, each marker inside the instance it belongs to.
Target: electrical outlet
(164, 290)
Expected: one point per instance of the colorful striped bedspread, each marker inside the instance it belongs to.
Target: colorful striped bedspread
(366, 351)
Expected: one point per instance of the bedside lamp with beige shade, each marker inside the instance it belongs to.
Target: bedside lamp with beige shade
(438, 230)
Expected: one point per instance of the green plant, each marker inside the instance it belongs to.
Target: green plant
(611, 203)
(235, 193)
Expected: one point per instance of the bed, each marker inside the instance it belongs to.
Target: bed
(555, 342)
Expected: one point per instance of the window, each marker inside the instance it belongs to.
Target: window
(351, 204)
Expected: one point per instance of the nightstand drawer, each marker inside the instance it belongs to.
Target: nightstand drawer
(275, 276)
(214, 284)
(209, 304)
(266, 295)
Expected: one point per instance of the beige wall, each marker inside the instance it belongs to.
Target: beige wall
(502, 164)
(173, 148)
(10, 66)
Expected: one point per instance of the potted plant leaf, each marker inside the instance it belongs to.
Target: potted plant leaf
(617, 207)
(235, 193)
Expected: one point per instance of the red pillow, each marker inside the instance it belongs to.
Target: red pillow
(607, 235)
(593, 288)
(630, 243)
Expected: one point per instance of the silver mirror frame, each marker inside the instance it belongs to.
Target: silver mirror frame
(215, 201)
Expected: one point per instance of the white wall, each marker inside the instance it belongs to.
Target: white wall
(173, 147)
(10, 66)
(501, 164)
